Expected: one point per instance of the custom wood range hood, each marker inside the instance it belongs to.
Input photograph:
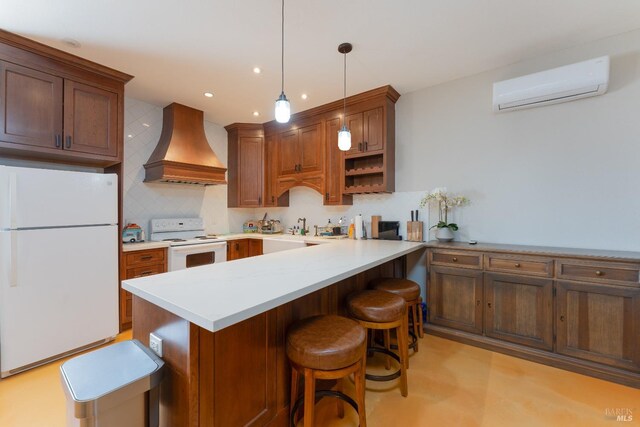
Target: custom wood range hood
(183, 154)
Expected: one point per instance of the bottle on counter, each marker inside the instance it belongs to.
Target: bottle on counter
(352, 230)
(359, 227)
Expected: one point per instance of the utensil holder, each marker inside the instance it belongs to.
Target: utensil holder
(414, 231)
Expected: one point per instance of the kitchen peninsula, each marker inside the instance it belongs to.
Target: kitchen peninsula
(223, 325)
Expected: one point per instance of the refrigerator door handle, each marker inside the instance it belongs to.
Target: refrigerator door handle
(13, 262)
(13, 200)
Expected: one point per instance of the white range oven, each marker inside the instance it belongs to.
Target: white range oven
(189, 246)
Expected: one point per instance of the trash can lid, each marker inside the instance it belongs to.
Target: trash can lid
(108, 369)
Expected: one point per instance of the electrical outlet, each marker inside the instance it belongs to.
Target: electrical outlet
(155, 343)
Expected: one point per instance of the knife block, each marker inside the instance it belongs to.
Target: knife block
(414, 231)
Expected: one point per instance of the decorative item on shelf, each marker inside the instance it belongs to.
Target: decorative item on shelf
(283, 107)
(344, 135)
(444, 201)
(375, 220)
(132, 233)
(414, 228)
(250, 226)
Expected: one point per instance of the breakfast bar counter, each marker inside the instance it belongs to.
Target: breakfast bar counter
(223, 325)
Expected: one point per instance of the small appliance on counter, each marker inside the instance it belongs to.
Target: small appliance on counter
(269, 226)
(250, 227)
(132, 233)
(389, 230)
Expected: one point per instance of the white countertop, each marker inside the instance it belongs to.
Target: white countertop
(143, 246)
(219, 295)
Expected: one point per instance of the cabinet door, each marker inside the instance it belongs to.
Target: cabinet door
(600, 323)
(288, 154)
(90, 119)
(30, 107)
(373, 130)
(455, 298)
(250, 173)
(237, 249)
(269, 173)
(255, 247)
(355, 125)
(311, 149)
(519, 309)
(334, 176)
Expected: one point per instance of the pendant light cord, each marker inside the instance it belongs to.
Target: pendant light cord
(282, 56)
(344, 97)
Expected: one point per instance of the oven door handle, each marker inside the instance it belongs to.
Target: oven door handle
(196, 249)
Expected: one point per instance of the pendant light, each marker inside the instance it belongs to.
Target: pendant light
(344, 136)
(283, 108)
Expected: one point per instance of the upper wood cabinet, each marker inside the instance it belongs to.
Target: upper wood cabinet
(301, 152)
(304, 152)
(334, 177)
(245, 165)
(90, 119)
(57, 107)
(367, 131)
(30, 107)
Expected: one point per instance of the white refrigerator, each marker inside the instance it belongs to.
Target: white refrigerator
(58, 264)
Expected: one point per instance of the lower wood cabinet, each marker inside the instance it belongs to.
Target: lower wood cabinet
(455, 297)
(519, 309)
(136, 264)
(577, 311)
(600, 323)
(243, 248)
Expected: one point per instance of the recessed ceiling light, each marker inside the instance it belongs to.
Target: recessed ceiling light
(304, 96)
(146, 125)
(71, 42)
(129, 136)
(257, 70)
(256, 113)
(208, 94)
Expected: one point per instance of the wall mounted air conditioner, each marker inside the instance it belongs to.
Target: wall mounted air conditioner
(562, 84)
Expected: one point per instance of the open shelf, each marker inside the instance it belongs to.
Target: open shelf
(364, 171)
(363, 189)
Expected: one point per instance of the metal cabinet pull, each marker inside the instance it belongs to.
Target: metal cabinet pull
(489, 305)
(273, 199)
(58, 141)
(68, 141)
(146, 257)
(517, 264)
(259, 200)
(599, 273)
(366, 146)
(326, 196)
(562, 318)
(454, 259)
(478, 303)
(360, 146)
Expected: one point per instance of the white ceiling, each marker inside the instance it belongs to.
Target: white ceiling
(179, 49)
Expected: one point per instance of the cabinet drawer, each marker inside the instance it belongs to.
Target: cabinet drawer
(456, 259)
(154, 256)
(148, 270)
(601, 272)
(533, 266)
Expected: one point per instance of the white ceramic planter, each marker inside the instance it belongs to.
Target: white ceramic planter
(444, 234)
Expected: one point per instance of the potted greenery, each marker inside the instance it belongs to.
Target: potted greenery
(444, 201)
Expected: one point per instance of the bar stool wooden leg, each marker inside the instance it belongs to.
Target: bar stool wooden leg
(414, 315)
(340, 402)
(421, 330)
(309, 398)
(359, 377)
(295, 380)
(403, 344)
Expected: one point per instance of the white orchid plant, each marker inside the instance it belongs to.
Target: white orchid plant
(444, 201)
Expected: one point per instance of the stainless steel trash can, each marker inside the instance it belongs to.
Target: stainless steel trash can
(115, 386)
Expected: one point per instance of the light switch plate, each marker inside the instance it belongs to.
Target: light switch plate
(155, 343)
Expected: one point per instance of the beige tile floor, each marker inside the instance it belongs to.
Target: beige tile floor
(450, 384)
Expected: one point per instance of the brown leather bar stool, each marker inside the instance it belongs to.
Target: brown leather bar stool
(410, 291)
(327, 348)
(378, 310)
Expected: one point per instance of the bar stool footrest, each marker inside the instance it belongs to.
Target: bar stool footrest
(321, 394)
(388, 377)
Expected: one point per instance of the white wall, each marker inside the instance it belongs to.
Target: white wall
(145, 201)
(563, 175)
